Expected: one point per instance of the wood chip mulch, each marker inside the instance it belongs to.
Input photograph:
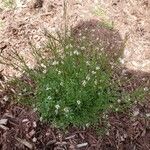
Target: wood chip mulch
(21, 129)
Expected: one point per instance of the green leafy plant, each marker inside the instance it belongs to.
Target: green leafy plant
(70, 85)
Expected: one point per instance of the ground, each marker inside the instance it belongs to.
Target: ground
(18, 26)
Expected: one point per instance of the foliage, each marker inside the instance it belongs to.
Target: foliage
(71, 85)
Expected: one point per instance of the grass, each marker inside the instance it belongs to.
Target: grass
(70, 86)
(8, 3)
(98, 11)
(1, 24)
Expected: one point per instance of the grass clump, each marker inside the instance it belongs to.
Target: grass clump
(8, 3)
(71, 85)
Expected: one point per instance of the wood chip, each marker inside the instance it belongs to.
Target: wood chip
(82, 145)
(4, 127)
(61, 143)
(70, 137)
(51, 142)
(25, 143)
(25, 120)
(3, 121)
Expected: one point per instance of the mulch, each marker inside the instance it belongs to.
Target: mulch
(21, 128)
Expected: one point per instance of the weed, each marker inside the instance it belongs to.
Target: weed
(98, 11)
(8, 3)
(72, 85)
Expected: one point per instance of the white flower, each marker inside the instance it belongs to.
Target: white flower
(44, 71)
(97, 68)
(87, 63)
(66, 109)
(83, 48)
(76, 52)
(118, 100)
(93, 72)
(41, 118)
(56, 111)
(61, 83)
(121, 61)
(146, 89)
(42, 65)
(78, 102)
(59, 72)
(95, 82)
(47, 88)
(55, 62)
(88, 77)
(80, 34)
(83, 37)
(87, 125)
(49, 97)
(70, 54)
(116, 109)
(84, 83)
(57, 107)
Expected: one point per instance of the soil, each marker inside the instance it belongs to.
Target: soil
(20, 127)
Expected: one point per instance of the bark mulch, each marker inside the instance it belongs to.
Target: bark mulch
(21, 129)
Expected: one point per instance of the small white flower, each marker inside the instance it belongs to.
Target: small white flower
(121, 61)
(56, 111)
(61, 83)
(93, 72)
(116, 109)
(42, 65)
(84, 83)
(70, 53)
(44, 71)
(47, 88)
(97, 68)
(88, 77)
(87, 125)
(83, 48)
(80, 34)
(118, 100)
(41, 118)
(95, 82)
(49, 97)
(59, 72)
(66, 109)
(35, 109)
(112, 67)
(76, 52)
(6, 98)
(57, 106)
(83, 37)
(78, 102)
(55, 62)
(146, 89)
(87, 63)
